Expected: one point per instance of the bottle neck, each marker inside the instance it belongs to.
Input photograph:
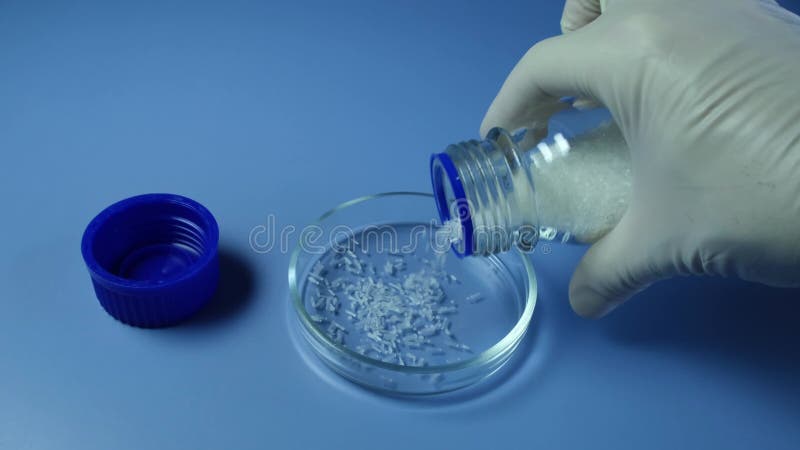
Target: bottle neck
(488, 187)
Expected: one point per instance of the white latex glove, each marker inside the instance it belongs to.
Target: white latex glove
(707, 94)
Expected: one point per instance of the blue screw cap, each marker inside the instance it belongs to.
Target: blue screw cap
(152, 258)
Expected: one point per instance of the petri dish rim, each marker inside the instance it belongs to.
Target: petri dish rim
(494, 352)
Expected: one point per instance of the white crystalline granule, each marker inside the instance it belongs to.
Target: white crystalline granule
(450, 232)
(584, 190)
(475, 298)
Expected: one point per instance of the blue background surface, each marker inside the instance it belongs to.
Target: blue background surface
(289, 108)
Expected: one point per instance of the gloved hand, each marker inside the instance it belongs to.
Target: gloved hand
(707, 95)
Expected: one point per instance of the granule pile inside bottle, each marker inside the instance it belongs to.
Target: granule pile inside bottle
(376, 306)
(586, 190)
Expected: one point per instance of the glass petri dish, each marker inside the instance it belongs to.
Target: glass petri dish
(383, 302)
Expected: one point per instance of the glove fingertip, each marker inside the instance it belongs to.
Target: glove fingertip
(588, 303)
(610, 272)
(486, 125)
(496, 118)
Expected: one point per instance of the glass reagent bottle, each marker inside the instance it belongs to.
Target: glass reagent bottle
(571, 184)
